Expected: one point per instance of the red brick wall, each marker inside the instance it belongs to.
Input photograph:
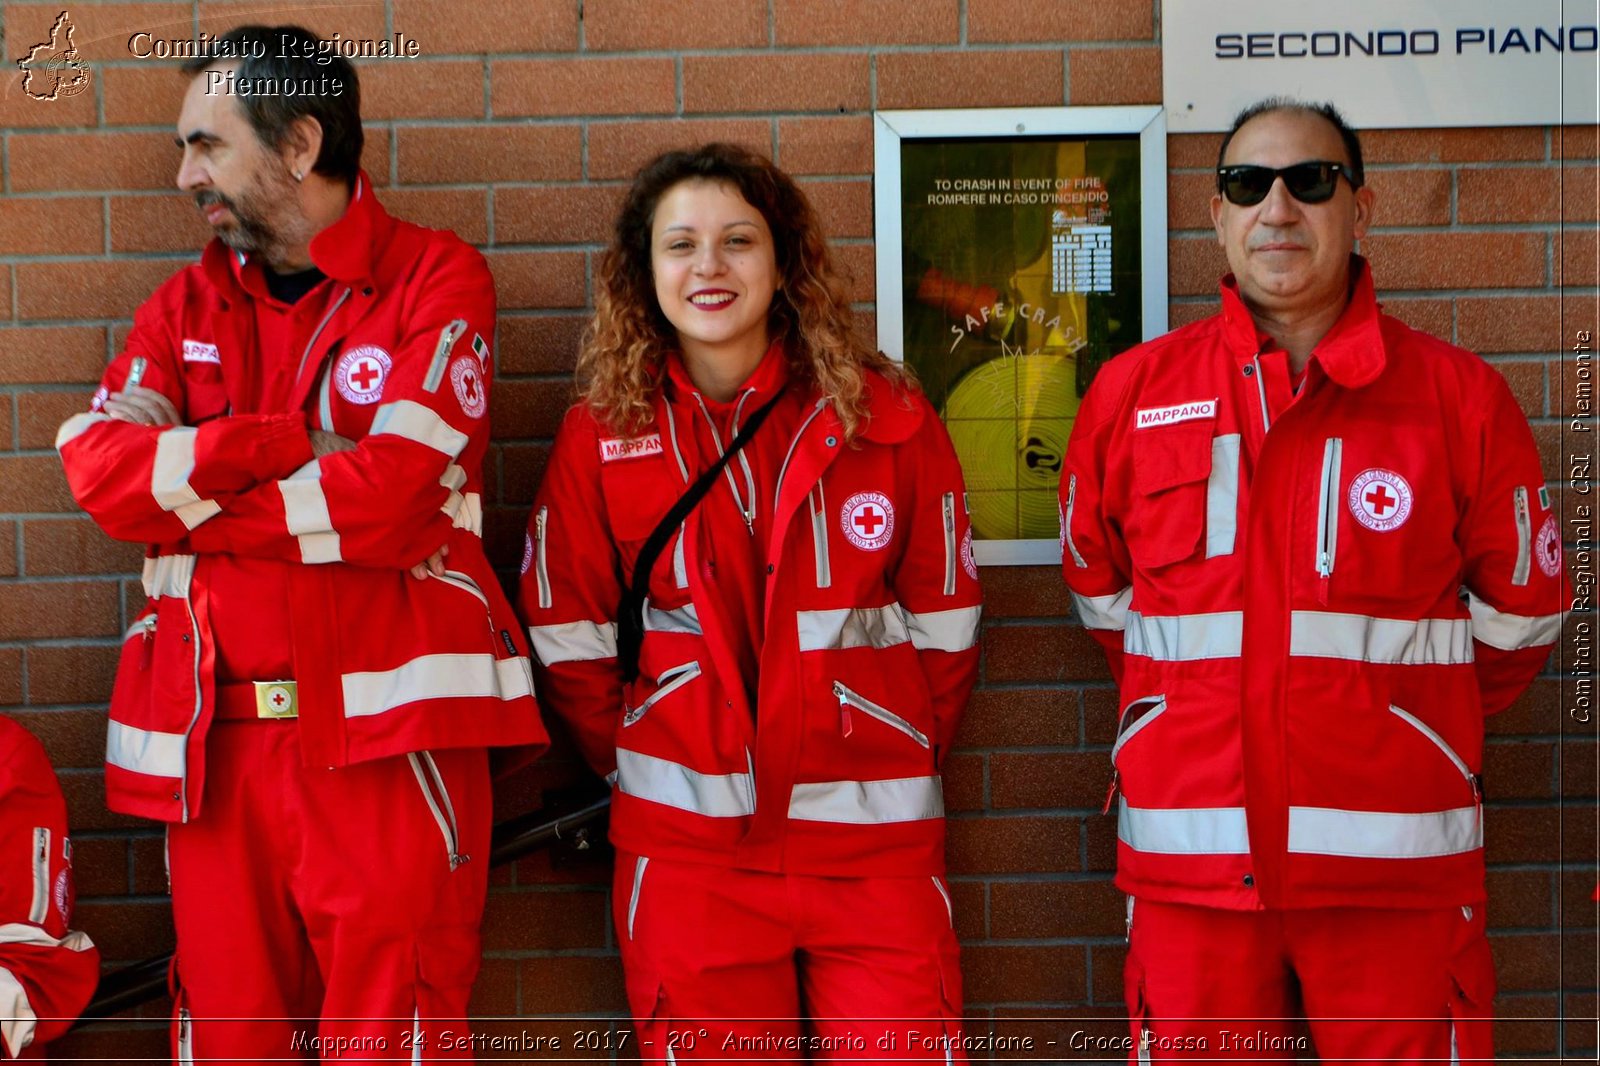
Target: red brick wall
(517, 128)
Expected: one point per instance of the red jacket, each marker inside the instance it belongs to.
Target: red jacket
(1308, 623)
(869, 649)
(47, 972)
(385, 663)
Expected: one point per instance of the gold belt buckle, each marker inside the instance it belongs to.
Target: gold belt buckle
(277, 699)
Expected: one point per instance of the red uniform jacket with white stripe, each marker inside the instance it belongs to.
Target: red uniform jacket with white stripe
(385, 663)
(869, 654)
(47, 971)
(1310, 602)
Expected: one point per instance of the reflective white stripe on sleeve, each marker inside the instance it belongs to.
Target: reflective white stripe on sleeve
(17, 1018)
(573, 642)
(1512, 632)
(414, 422)
(74, 427)
(905, 799)
(16, 1015)
(1222, 496)
(1364, 639)
(1383, 834)
(169, 478)
(1104, 612)
(305, 513)
(683, 619)
(143, 751)
(168, 575)
(852, 627)
(952, 630)
(436, 677)
(1185, 637)
(469, 516)
(1183, 831)
(675, 785)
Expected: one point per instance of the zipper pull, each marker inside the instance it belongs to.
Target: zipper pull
(149, 642)
(457, 859)
(1325, 568)
(1111, 792)
(846, 725)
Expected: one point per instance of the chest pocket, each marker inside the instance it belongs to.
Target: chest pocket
(1171, 466)
(638, 494)
(204, 393)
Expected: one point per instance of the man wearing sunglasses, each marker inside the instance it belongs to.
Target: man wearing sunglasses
(1317, 548)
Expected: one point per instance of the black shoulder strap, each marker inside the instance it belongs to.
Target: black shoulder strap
(630, 611)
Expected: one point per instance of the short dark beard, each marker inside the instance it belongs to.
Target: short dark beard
(253, 230)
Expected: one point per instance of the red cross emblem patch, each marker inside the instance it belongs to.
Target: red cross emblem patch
(1380, 499)
(466, 374)
(867, 519)
(360, 373)
(1549, 545)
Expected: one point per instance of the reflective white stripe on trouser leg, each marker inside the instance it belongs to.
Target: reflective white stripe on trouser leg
(16, 1014)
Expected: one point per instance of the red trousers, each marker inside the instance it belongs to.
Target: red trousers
(1374, 985)
(326, 913)
(735, 964)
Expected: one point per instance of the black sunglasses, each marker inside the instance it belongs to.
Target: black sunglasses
(1246, 184)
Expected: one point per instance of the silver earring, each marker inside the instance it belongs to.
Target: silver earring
(299, 176)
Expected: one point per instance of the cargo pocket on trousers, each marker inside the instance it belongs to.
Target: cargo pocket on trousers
(1471, 1007)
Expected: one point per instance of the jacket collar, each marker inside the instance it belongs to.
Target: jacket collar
(770, 375)
(1351, 353)
(346, 251)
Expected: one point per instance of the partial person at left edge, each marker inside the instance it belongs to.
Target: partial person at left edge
(296, 426)
(47, 971)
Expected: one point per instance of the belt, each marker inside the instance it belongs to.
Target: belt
(252, 700)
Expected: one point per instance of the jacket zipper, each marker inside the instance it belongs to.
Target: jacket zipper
(1519, 576)
(949, 544)
(1126, 734)
(1328, 515)
(949, 908)
(819, 536)
(441, 351)
(541, 576)
(1066, 523)
(849, 699)
(41, 875)
(1158, 707)
(747, 507)
(312, 343)
(1449, 753)
(1261, 389)
(777, 489)
(669, 682)
(638, 882)
(444, 813)
(456, 579)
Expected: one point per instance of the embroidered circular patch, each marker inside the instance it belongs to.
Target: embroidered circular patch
(1380, 499)
(467, 377)
(360, 373)
(527, 551)
(63, 894)
(1549, 545)
(966, 555)
(868, 520)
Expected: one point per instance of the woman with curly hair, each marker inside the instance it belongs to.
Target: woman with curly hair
(749, 585)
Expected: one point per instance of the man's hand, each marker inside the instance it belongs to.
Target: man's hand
(325, 443)
(142, 407)
(433, 564)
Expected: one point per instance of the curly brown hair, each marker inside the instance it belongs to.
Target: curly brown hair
(621, 364)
